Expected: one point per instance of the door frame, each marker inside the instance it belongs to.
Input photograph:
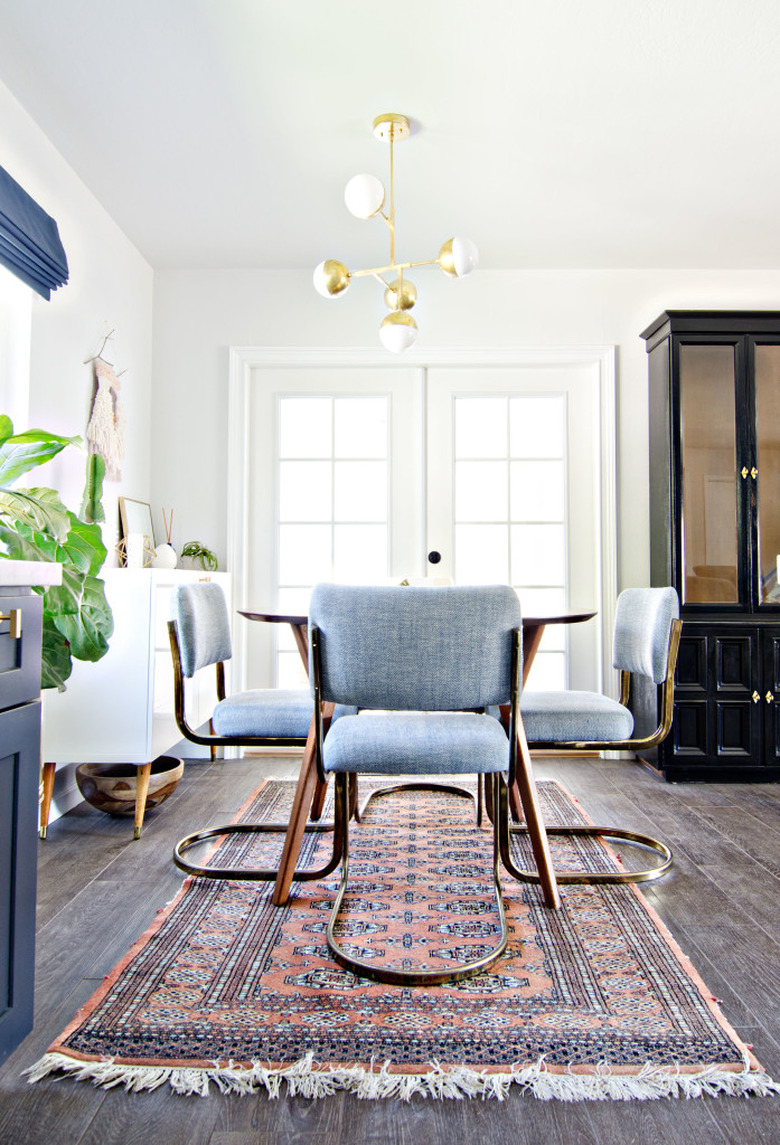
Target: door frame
(245, 360)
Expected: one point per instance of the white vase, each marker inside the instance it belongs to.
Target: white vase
(165, 557)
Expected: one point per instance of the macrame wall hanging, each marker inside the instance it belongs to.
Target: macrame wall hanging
(106, 428)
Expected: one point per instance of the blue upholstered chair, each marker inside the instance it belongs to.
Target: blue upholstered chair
(199, 633)
(200, 636)
(645, 644)
(429, 662)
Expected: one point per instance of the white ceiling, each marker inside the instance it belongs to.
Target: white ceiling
(555, 133)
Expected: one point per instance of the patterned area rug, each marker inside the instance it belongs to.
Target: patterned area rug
(593, 1001)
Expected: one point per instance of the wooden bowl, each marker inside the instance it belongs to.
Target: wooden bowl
(111, 787)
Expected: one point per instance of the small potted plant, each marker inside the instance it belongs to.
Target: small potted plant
(196, 552)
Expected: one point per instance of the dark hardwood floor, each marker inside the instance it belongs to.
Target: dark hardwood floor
(98, 891)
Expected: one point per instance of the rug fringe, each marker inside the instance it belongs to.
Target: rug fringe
(305, 1079)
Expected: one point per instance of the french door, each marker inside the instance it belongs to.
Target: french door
(367, 472)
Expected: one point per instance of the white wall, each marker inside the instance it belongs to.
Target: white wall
(200, 314)
(110, 287)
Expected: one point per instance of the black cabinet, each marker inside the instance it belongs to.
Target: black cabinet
(20, 722)
(714, 391)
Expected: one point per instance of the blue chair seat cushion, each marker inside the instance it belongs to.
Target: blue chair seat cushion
(416, 743)
(278, 713)
(570, 717)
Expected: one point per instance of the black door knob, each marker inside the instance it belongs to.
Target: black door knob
(434, 558)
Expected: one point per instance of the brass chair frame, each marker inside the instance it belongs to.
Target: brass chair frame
(390, 975)
(638, 743)
(213, 740)
(196, 838)
(622, 835)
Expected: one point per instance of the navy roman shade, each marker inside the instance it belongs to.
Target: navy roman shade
(30, 243)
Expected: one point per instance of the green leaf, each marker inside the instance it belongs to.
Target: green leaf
(6, 427)
(56, 663)
(23, 451)
(88, 631)
(83, 547)
(65, 599)
(92, 504)
(43, 512)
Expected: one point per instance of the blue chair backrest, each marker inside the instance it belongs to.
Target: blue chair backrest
(415, 649)
(643, 623)
(201, 615)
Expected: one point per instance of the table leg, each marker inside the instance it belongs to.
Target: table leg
(526, 785)
(318, 802)
(306, 792)
(532, 638)
(301, 635)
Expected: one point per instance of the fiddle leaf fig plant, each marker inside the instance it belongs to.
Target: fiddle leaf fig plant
(36, 526)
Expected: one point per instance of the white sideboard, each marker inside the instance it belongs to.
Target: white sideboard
(120, 709)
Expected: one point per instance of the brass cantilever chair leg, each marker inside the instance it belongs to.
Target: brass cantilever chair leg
(200, 636)
(426, 663)
(646, 642)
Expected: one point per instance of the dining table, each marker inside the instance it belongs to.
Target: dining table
(310, 793)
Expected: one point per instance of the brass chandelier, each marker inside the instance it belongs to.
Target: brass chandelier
(365, 199)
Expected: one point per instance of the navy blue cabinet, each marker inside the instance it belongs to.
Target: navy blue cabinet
(20, 723)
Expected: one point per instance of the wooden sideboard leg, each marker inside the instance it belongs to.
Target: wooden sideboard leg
(141, 792)
(48, 788)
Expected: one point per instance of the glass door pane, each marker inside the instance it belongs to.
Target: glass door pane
(334, 494)
(768, 464)
(513, 498)
(709, 487)
(509, 509)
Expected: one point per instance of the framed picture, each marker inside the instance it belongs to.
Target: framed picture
(136, 520)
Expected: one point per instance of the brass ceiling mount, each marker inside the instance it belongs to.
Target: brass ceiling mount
(391, 127)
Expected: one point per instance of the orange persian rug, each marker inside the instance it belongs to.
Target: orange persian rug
(594, 1001)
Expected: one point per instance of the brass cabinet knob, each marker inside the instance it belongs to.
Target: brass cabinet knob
(744, 472)
(769, 697)
(756, 698)
(754, 473)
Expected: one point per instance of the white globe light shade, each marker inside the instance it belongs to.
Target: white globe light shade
(364, 195)
(465, 256)
(330, 278)
(398, 331)
(458, 257)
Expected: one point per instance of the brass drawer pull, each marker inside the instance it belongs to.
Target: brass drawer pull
(14, 616)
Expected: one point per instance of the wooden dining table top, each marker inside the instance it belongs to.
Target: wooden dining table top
(300, 621)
